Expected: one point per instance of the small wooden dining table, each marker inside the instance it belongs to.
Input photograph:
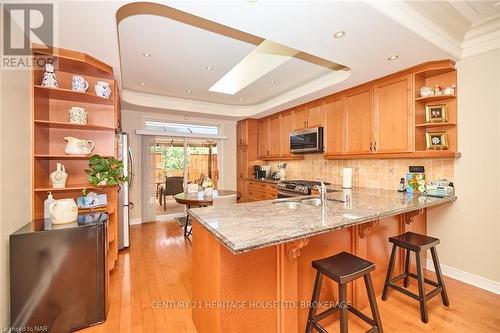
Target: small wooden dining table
(200, 199)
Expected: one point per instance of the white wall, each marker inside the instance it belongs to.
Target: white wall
(470, 229)
(15, 169)
(133, 120)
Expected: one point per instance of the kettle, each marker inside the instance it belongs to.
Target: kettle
(76, 146)
(63, 211)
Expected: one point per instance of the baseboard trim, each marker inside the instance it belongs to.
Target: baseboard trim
(137, 220)
(469, 278)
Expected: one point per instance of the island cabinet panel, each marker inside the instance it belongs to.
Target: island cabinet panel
(393, 116)
(264, 143)
(287, 126)
(242, 172)
(359, 121)
(335, 131)
(274, 136)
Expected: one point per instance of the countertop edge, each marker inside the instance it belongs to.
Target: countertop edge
(228, 244)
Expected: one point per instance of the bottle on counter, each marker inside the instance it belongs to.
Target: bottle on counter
(46, 204)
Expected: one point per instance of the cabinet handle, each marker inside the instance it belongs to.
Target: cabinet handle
(375, 146)
(371, 145)
(305, 124)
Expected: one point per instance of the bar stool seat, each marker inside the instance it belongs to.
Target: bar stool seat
(417, 243)
(343, 268)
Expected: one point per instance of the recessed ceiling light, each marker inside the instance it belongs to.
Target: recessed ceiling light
(189, 91)
(146, 54)
(272, 82)
(241, 98)
(393, 57)
(209, 68)
(143, 83)
(339, 34)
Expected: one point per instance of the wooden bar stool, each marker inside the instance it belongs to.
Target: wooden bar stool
(343, 268)
(417, 243)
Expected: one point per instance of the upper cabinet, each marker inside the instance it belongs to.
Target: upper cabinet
(242, 133)
(359, 121)
(264, 143)
(287, 126)
(335, 126)
(393, 115)
(274, 136)
(309, 116)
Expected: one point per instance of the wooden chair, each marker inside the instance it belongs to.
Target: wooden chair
(173, 186)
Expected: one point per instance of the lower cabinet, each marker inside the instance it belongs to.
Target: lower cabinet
(257, 191)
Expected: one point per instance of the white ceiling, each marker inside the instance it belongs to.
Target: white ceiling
(375, 30)
(180, 54)
(478, 11)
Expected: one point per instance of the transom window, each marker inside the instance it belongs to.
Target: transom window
(169, 127)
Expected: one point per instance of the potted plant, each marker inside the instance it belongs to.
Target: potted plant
(105, 171)
(208, 185)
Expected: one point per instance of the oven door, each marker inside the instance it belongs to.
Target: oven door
(307, 141)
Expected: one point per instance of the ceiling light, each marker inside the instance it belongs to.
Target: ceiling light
(146, 54)
(241, 98)
(143, 83)
(272, 82)
(393, 57)
(209, 68)
(339, 34)
(189, 91)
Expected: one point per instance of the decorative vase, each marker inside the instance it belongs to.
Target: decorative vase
(76, 146)
(209, 190)
(282, 173)
(49, 77)
(59, 177)
(63, 211)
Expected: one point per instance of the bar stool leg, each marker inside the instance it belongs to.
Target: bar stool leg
(421, 290)
(439, 276)
(314, 298)
(373, 302)
(407, 269)
(343, 307)
(389, 272)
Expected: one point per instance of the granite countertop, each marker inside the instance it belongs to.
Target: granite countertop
(249, 226)
(266, 180)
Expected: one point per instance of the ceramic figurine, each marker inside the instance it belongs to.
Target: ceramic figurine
(438, 91)
(76, 146)
(59, 177)
(78, 115)
(102, 89)
(49, 77)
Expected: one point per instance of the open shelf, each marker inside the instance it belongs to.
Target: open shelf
(64, 157)
(435, 124)
(71, 187)
(61, 124)
(434, 98)
(70, 95)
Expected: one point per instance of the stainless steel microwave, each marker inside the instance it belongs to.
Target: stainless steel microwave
(309, 140)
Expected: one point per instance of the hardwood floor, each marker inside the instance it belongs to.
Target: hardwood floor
(152, 282)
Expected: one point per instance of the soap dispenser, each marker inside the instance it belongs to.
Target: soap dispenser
(46, 204)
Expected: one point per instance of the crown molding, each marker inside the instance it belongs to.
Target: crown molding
(321, 86)
(481, 44)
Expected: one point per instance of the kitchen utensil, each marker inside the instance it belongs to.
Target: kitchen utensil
(102, 89)
(76, 146)
(77, 115)
(78, 83)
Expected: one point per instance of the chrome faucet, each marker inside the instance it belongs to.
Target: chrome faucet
(322, 192)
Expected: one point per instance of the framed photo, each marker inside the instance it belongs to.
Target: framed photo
(436, 140)
(436, 113)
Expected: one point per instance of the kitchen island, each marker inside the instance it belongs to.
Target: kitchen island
(252, 262)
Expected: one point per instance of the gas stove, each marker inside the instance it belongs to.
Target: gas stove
(293, 188)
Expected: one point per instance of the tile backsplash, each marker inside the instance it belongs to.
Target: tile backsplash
(375, 173)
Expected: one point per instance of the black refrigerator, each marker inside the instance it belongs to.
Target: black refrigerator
(58, 275)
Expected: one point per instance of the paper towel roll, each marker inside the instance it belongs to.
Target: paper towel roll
(346, 177)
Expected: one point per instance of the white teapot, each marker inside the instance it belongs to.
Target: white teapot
(76, 146)
(102, 89)
(63, 211)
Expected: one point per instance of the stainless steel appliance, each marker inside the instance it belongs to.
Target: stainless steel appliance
(59, 275)
(308, 140)
(125, 155)
(260, 174)
(296, 188)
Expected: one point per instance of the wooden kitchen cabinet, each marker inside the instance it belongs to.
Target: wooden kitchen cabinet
(359, 121)
(264, 143)
(286, 128)
(258, 190)
(242, 133)
(274, 136)
(246, 155)
(393, 116)
(335, 126)
(310, 116)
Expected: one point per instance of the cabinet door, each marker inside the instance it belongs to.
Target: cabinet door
(359, 123)
(315, 116)
(264, 138)
(393, 115)
(300, 119)
(335, 127)
(274, 136)
(242, 164)
(242, 132)
(286, 128)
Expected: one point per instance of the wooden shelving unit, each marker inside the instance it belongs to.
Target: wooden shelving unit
(444, 76)
(50, 114)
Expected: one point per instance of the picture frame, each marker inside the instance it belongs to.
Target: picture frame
(436, 140)
(436, 113)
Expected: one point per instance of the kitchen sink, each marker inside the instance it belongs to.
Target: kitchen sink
(312, 202)
(288, 204)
